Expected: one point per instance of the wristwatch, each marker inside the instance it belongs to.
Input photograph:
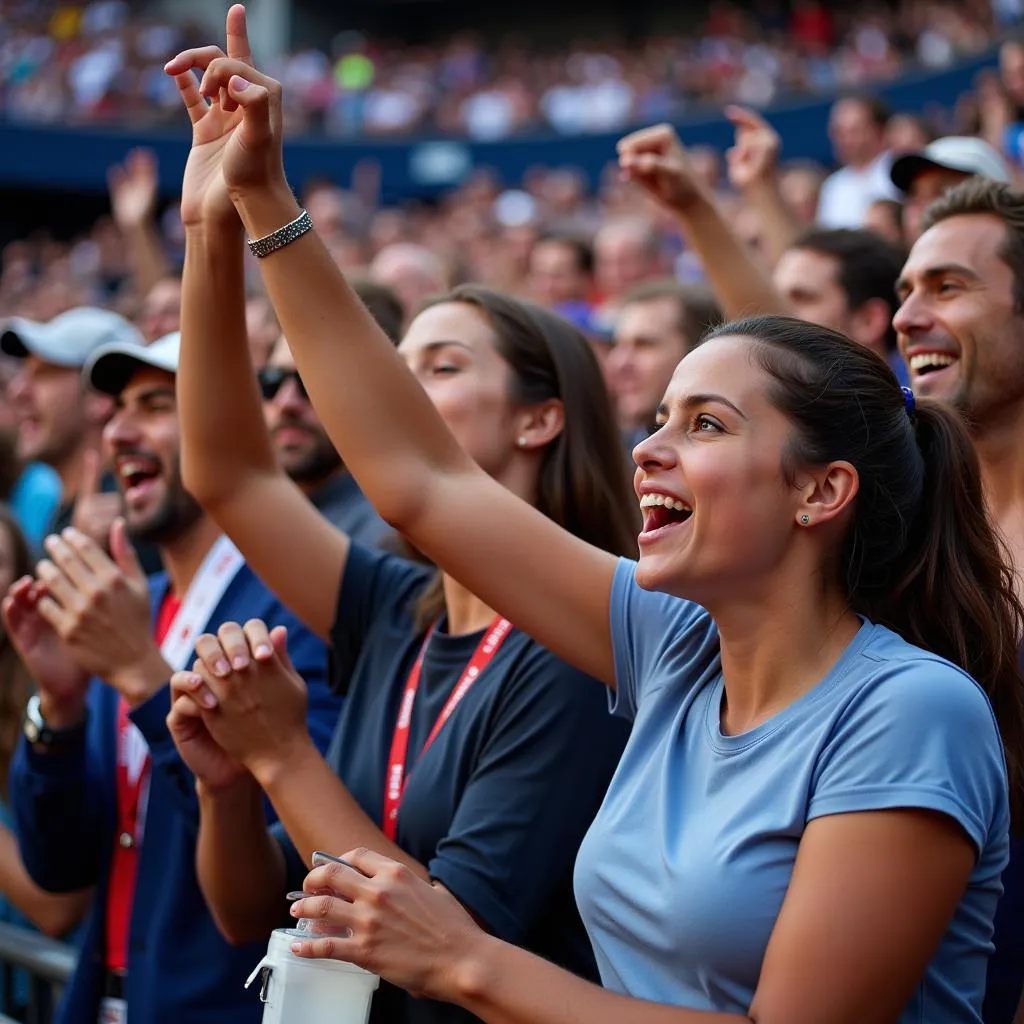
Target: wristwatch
(39, 734)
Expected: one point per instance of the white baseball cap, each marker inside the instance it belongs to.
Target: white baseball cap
(111, 366)
(68, 339)
(962, 153)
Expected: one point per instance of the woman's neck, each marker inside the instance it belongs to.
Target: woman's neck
(776, 649)
(466, 612)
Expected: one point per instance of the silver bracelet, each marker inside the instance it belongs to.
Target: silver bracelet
(278, 239)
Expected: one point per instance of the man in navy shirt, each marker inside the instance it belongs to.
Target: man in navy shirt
(101, 797)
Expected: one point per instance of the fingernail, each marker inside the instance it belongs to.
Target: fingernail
(263, 651)
(294, 909)
(238, 83)
(209, 701)
(222, 668)
(297, 948)
(240, 662)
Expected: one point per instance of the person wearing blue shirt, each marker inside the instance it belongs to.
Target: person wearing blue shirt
(101, 642)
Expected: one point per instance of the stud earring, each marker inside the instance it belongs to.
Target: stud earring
(522, 442)
(805, 519)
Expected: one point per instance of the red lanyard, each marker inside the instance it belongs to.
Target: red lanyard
(396, 780)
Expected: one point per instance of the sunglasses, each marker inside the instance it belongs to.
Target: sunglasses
(273, 378)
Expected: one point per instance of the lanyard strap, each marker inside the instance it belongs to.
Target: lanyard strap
(396, 779)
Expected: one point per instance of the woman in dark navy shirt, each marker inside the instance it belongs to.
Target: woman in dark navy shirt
(496, 807)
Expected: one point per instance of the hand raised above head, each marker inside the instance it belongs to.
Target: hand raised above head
(656, 159)
(754, 157)
(236, 125)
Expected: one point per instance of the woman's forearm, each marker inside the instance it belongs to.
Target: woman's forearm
(368, 402)
(333, 821)
(501, 984)
(739, 282)
(240, 867)
(224, 438)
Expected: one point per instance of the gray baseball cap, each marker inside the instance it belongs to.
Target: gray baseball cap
(68, 339)
(111, 366)
(962, 153)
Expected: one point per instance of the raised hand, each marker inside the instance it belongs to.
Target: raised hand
(753, 159)
(95, 510)
(62, 682)
(133, 189)
(252, 700)
(99, 606)
(656, 160)
(210, 764)
(236, 124)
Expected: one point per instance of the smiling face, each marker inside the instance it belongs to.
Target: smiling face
(451, 349)
(959, 330)
(717, 507)
(143, 441)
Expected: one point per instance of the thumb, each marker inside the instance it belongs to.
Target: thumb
(122, 552)
(92, 474)
(279, 638)
(742, 117)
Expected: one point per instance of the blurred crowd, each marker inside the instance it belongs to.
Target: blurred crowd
(101, 62)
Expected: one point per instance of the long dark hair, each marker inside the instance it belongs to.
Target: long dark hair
(584, 481)
(15, 682)
(921, 556)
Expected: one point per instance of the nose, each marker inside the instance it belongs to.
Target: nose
(654, 453)
(289, 398)
(912, 317)
(121, 431)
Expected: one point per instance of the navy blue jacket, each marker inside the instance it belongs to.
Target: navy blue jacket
(180, 968)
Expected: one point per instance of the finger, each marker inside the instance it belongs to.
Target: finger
(332, 948)
(258, 638)
(658, 136)
(221, 70)
(200, 57)
(235, 647)
(335, 879)
(238, 34)
(123, 551)
(211, 656)
(58, 587)
(88, 552)
(741, 117)
(368, 862)
(279, 638)
(646, 165)
(69, 562)
(188, 86)
(56, 616)
(186, 707)
(191, 686)
(92, 472)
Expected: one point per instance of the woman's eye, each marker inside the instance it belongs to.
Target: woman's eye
(444, 368)
(706, 423)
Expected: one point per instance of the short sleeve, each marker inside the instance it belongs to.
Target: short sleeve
(375, 588)
(923, 736)
(656, 638)
(533, 793)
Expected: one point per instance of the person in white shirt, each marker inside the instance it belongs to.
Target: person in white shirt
(857, 130)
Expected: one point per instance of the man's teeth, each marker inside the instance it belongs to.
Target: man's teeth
(936, 359)
(653, 500)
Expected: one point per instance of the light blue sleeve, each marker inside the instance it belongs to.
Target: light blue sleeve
(923, 736)
(657, 639)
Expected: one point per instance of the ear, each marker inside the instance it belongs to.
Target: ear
(536, 426)
(826, 494)
(98, 408)
(870, 323)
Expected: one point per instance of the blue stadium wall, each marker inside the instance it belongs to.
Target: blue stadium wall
(76, 159)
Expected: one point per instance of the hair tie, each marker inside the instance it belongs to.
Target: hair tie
(909, 401)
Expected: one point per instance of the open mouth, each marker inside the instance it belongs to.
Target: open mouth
(923, 364)
(661, 512)
(137, 476)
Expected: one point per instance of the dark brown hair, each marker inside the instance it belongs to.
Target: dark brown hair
(697, 309)
(584, 481)
(984, 196)
(15, 682)
(383, 304)
(921, 557)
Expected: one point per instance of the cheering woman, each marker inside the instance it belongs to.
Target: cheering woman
(811, 816)
(466, 751)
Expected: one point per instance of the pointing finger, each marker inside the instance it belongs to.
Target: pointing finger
(238, 35)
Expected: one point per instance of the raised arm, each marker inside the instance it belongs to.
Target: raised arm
(227, 460)
(392, 439)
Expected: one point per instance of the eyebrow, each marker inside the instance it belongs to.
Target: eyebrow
(433, 346)
(706, 399)
(940, 271)
(151, 393)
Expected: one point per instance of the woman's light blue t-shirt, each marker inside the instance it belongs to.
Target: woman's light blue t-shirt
(683, 873)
